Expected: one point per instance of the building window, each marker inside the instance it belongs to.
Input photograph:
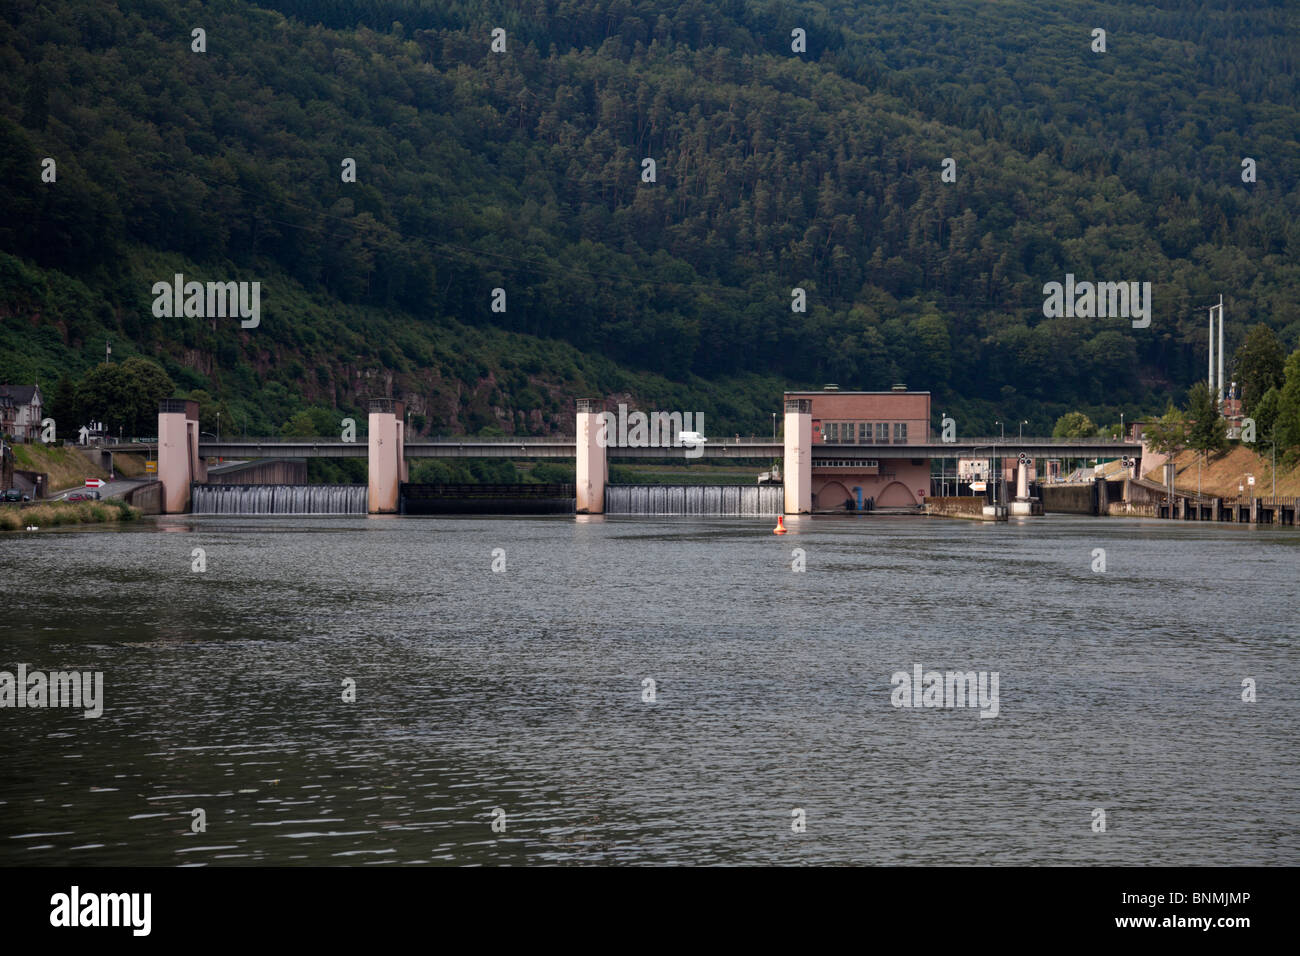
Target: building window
(900, 433)
(864, 433)
(882, 433)
(832, 431)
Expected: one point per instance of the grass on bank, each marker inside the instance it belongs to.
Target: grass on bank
(1221, 475)
(66, 465)
(54, 513)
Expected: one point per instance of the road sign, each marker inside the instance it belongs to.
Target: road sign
(151, 467)
(94, 482)
(1250, 479)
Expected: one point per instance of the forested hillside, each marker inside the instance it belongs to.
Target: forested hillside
(523, 170)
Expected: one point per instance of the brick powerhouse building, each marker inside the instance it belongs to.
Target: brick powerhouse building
(868, 432)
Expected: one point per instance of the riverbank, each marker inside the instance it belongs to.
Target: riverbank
(1225, 476)
(66, 465)
(51, 514)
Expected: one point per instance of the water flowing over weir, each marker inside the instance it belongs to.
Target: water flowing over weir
(280, 499)
(747, 501)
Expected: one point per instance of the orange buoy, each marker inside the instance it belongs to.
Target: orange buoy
(780, 525)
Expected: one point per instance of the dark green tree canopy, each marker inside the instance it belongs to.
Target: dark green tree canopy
(1258, 364)
(821, 170)
(124, 395)
(1074, 425)
(1206, 430)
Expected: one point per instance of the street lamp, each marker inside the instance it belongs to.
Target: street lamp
(995, 472)
(1004, 430)
(1022, 429)
(218, 424)
(1273, 470)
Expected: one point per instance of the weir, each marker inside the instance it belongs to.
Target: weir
(829, 458)
(432, 499)
(279, 499)
(746, 501)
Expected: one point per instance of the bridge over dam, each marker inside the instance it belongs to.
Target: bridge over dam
(182, 453)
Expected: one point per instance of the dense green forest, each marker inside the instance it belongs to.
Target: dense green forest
(523, 170)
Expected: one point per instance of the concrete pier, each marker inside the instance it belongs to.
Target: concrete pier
(179, 463)
(1023, 505)
(592, 465)
(798, 456)
(387, 455)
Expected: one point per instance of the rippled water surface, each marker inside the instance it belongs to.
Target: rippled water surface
(523, 691)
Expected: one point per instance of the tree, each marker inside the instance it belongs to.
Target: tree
(1266, 418)
(299, 426)
(1258, 365)
(1168, 433)
(124, 395)
(1207, 430)
(1074, 425)
(1288, 408)
(63, 406)
(213, 412)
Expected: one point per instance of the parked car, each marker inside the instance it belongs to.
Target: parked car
(83, 496)
(14, 494)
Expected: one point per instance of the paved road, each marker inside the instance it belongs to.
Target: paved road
(111, 488)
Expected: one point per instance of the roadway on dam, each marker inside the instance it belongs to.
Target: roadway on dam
(566, 447)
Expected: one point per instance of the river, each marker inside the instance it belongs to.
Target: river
(523, 691)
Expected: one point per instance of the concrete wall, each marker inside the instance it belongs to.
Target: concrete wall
(34, 483)
(897, 483)
(1070, 499)
(148, 498)
(955, 507)
(271, 471)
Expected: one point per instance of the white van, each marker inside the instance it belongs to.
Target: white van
(691, 439)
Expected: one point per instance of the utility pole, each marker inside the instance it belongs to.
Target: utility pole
(1216, 387)
(1220, 392)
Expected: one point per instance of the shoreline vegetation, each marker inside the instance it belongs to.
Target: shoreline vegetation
(51, 514)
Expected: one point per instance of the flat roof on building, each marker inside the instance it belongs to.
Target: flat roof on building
(819, 391)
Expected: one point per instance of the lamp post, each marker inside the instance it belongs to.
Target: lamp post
(1022, 429)
(994, 471)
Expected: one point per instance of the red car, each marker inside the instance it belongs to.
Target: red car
(83, 496)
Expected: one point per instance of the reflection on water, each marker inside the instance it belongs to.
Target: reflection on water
(523, 690)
